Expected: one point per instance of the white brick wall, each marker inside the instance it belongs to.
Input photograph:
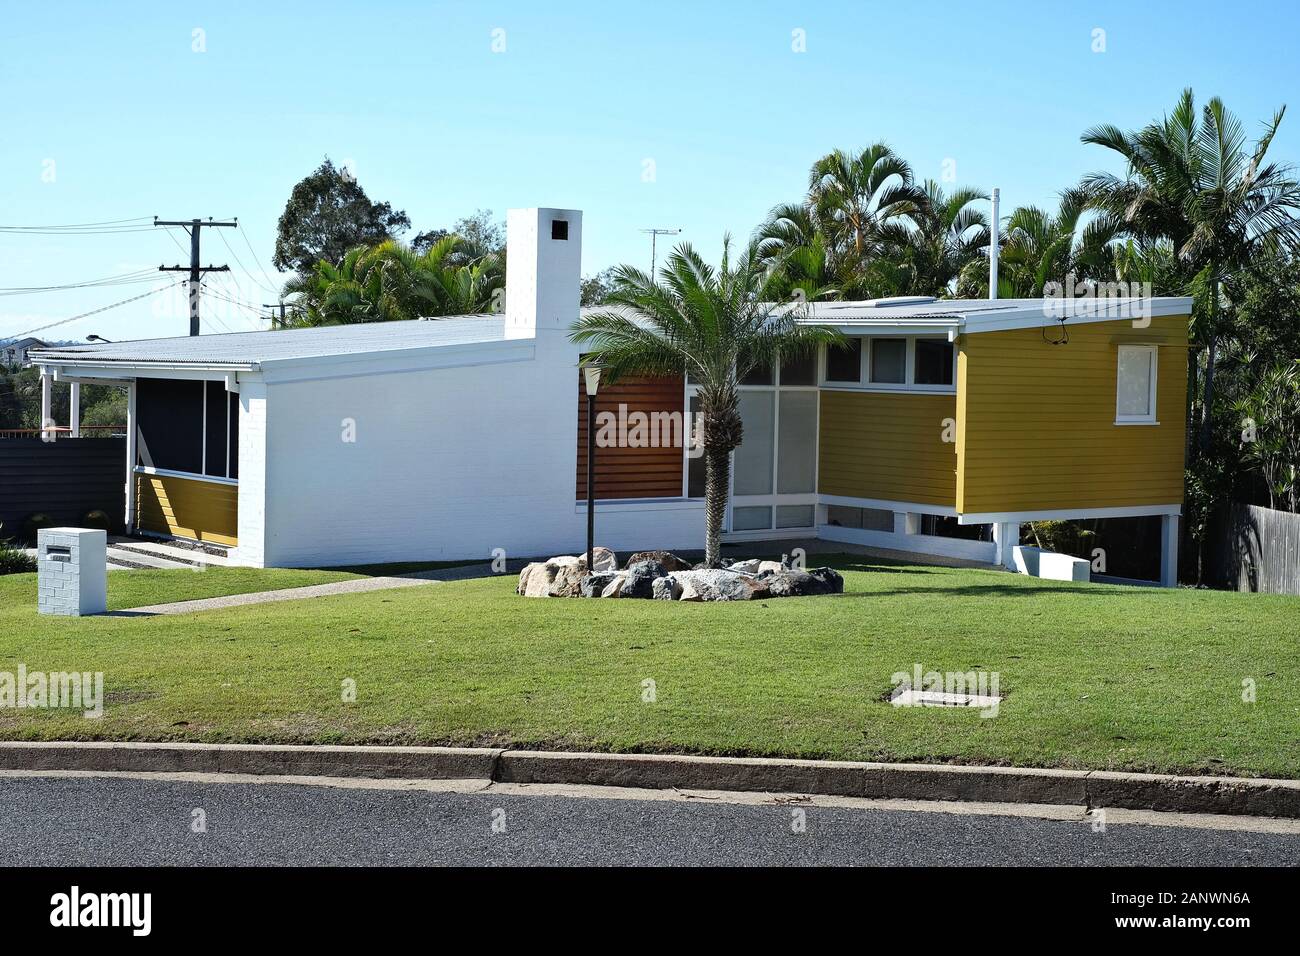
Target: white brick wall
(72, 571)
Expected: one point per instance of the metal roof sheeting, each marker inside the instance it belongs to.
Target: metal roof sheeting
(247, 349)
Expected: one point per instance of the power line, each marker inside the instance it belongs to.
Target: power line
(241, 265)
(84, 315)
(126, 278)
(82, 225)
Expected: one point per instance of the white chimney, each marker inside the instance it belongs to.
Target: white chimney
(543, 271)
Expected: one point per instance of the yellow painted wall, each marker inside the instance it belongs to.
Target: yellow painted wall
(887, 445)
(1036, 422)
(187, 508)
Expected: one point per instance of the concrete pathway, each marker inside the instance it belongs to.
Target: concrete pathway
(354, 586)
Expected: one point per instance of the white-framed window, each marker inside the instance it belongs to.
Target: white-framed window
(1135, 385)
(892, 363)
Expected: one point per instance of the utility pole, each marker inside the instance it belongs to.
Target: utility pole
(194, 269)
(654, 235)
(276, 305)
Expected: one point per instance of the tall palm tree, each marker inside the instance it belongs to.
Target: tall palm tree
(1192, 179)
(858, 194)
(854, 204)
(1043, 247)
(715, 324)
(949, 232)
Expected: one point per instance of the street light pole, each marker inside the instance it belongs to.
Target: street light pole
(591, 378)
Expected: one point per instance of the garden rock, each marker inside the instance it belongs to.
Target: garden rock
(568, 580)
(640, 579)
(718, 584)
(750, 567)
(669, 560)
(615, 587)
(602, 559)
(666, 588)
(539, 578)
(593, 585)
(791, 582)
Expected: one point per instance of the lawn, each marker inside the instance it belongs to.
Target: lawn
(1094, 676)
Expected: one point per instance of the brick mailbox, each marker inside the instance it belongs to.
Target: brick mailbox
(72, 571)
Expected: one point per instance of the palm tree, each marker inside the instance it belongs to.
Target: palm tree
(853, 206)
(950, 231)
(1043, 247)
(715, 324)
(1192, 180)
(390, 282)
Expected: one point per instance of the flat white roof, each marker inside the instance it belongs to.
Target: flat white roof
(972, 316)
(246, 350)
(249, 350)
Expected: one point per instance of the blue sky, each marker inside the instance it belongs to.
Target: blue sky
(136, 123)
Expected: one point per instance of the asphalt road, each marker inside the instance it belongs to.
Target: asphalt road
(122, 821)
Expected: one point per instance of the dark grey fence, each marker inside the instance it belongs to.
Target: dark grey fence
(63, 479)
(1257, 549)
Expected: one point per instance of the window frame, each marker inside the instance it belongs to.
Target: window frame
(1153, 358)
(864, 383)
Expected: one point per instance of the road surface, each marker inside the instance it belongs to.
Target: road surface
(137, 820)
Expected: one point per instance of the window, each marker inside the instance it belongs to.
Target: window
(933, 363)
(752, 518)
(1135, 391)
(845, 364)
(796, 467)
(753, 461)
(799, 371)
(889, 361)
(559, 229)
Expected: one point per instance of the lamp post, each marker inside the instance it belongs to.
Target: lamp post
(591, 378)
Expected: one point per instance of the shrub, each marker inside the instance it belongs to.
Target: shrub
(95, 519)
(34, 523)
(15, 560)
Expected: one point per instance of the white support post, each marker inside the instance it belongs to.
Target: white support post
(907, 522)
(1006, 535)
(46, 422)
(74, 413)
(1169, 551)
(130, 456)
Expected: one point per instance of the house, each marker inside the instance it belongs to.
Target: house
(942, 428)
(14, 353)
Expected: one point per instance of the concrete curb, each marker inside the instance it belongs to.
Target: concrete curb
(1083, 788)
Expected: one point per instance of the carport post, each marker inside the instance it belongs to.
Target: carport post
(1169, 551)
(130, 455)
(74, 413)
(46, 422)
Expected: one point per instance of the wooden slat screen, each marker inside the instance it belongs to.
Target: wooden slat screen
(626, 472)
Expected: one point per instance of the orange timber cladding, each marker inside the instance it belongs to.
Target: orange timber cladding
(626, 472)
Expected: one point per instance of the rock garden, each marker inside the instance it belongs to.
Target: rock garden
(663, 576)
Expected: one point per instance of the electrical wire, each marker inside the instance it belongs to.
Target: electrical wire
(126, 278)
(241, 265)
(84, 315)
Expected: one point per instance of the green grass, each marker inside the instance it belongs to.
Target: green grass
(1094, 676)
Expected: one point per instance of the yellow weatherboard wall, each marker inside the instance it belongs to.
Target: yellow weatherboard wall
(887, 445)
(1036, 422)
(187, 508)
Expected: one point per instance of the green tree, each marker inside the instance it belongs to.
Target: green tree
(327, 214)
(1193, 180)
(1042, 247)
(950, 231)
(713, 324)
(389, 282)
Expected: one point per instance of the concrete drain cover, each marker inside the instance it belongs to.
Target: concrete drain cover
(907, 697)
